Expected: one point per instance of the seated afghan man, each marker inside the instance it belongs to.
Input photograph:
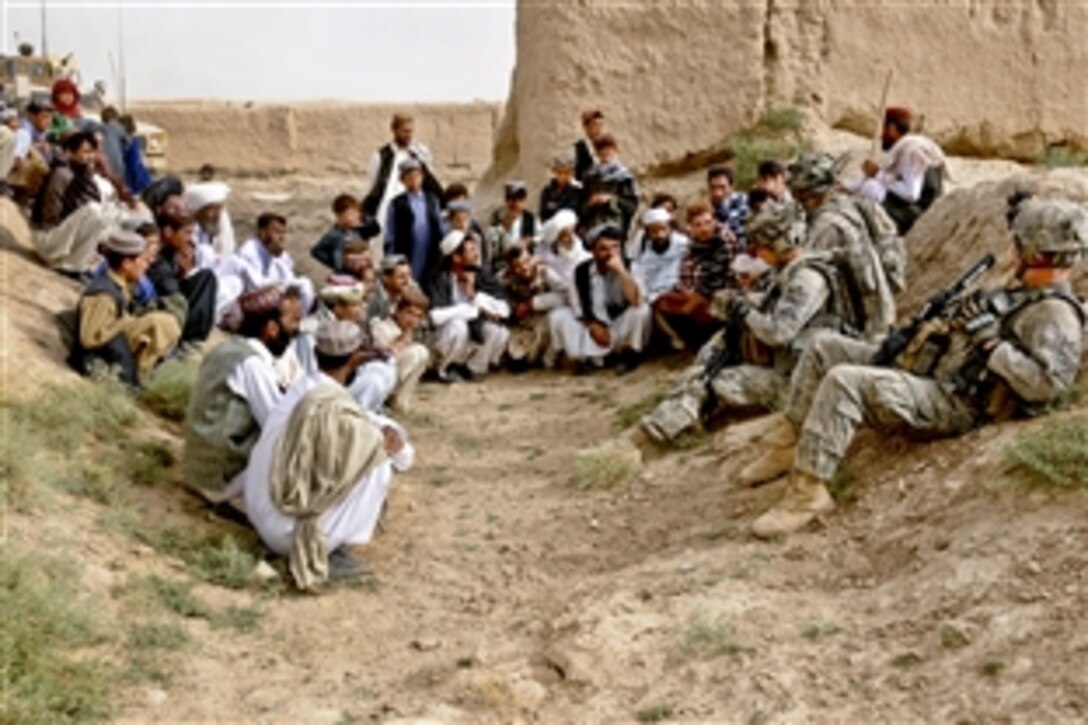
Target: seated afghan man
(704, 271)
(235, 390)
(511, 225)
(747, 364)
(560, 248)
(70, 216)
(174, 272)
(348, 225)
(109, 332)
(991, 356)
(562, 191)
(320, 473)
(532, 290)
(661, 252)
(401, 335)
(467, 311)
(215, 242)
(729, 206)
(910, 178)
(263, 260)
(608, 315)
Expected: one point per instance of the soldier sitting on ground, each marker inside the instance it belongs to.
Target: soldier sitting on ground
(994, 354)
(748, 363)
(858, 231)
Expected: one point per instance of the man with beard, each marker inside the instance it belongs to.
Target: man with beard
(235, 390)
(207, 202)
(69, 214)
(912, 175)
(316, 483)
(608, 313)
(658, 266)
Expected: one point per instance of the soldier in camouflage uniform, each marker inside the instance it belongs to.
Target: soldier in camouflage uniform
(859, 231)
(994, 355)
(748, 363)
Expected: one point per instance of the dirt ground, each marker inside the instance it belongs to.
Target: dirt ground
(944, 589)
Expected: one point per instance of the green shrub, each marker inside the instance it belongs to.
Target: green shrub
(1061, 157)
(1056, 453)
(167, 392)
(42, 677)
(710, 638)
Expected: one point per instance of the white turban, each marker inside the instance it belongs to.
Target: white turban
(563, 219)
(748, 265)
(656, 216)
(452, 242)
(205, 194)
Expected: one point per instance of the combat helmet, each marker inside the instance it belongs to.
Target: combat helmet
(813, 173)
(778, 226)
(1057, 228)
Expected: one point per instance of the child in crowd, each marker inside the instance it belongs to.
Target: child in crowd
(110, 332)
(348, 212)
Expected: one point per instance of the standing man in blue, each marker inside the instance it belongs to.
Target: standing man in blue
(413, 226)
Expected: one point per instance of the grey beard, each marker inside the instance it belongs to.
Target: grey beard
(210, 228)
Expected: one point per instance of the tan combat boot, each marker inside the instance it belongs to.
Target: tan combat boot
(777, 457)
(806, 498)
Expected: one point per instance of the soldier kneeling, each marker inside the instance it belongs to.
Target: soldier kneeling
(991, 356)
(748, 363)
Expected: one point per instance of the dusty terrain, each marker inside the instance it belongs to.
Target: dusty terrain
(945, 588)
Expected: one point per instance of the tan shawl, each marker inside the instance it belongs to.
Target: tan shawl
(328, 445)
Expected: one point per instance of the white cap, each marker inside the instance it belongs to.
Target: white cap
(452, 242)
(205, 194)
(656, 216)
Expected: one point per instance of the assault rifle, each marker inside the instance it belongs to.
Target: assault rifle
(898, 340)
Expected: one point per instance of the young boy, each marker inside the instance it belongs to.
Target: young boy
(400, 335)
(348, 212)
(174, 275)
(108, 332)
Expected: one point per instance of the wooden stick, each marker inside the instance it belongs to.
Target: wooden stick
(874, 154)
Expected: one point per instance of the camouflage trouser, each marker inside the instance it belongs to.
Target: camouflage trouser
(824, 351)
(884, 398)
(741, 386)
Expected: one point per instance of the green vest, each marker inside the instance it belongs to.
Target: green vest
(220, 430)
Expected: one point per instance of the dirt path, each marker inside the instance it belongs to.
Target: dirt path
(506, 593)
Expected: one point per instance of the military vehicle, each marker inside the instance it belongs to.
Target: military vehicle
(27, 77)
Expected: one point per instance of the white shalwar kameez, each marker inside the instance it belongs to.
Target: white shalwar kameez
(349, 523)
(256, 267)
(629, 331)
(903, 172)
(453, 342)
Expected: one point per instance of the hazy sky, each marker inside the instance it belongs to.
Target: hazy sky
(438, 50)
